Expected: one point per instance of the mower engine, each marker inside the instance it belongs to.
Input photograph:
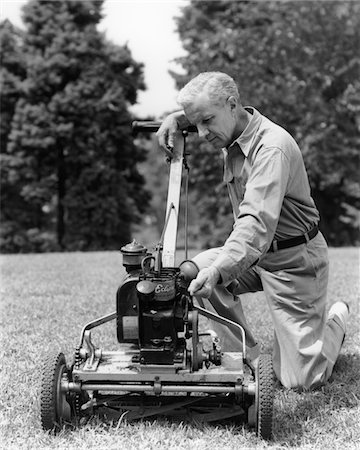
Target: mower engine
(155, 311)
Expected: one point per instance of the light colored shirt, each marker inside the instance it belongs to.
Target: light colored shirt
(269, 191)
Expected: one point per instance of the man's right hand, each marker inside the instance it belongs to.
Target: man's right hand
(167, 132)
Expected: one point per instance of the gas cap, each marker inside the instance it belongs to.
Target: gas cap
(145, 287)
(146, 292)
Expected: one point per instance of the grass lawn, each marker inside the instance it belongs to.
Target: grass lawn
(47, 298)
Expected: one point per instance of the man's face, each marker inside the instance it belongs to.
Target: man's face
(215, 122)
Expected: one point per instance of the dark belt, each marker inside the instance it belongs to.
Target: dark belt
(293, 242)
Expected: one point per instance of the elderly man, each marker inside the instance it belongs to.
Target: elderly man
(275, 245)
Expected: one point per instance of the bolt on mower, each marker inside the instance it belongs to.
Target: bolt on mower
(163, 365)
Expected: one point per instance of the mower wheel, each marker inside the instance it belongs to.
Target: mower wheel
(54, 409)
(264, 397)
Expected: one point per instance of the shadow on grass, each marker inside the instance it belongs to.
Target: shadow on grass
(302, 417)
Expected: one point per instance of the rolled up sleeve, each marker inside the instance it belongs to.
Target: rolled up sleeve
(259, 213)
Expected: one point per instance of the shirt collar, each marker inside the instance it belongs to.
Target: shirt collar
(246, 137)
(231, 168)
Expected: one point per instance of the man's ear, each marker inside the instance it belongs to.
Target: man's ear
(232, 102)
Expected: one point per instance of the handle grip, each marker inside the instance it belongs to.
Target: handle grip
(151, 126)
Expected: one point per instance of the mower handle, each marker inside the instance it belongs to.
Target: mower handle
(151, 126)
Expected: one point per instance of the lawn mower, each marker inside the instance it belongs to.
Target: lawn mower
(164, 364)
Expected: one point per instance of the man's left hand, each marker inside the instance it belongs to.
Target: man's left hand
(204, 283)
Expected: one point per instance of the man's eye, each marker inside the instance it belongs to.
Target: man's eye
(207, 120)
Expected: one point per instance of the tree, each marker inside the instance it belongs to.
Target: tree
(75, 161)
(295, 62)
(12, 72)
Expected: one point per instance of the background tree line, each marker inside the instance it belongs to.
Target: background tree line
(69, 177)
(72, 177)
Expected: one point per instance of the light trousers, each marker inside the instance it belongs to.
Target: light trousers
(294, 280)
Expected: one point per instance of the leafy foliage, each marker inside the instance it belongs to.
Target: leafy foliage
(296, 63)
(70, 155)
(12, 72)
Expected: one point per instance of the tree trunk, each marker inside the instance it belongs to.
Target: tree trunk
(61, 195)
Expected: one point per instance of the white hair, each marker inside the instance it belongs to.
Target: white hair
(218, 85)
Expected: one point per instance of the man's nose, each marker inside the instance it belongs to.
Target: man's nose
(203, 131)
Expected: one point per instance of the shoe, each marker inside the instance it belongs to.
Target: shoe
(340, 310)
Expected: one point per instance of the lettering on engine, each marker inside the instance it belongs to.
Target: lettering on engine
(165, 291)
